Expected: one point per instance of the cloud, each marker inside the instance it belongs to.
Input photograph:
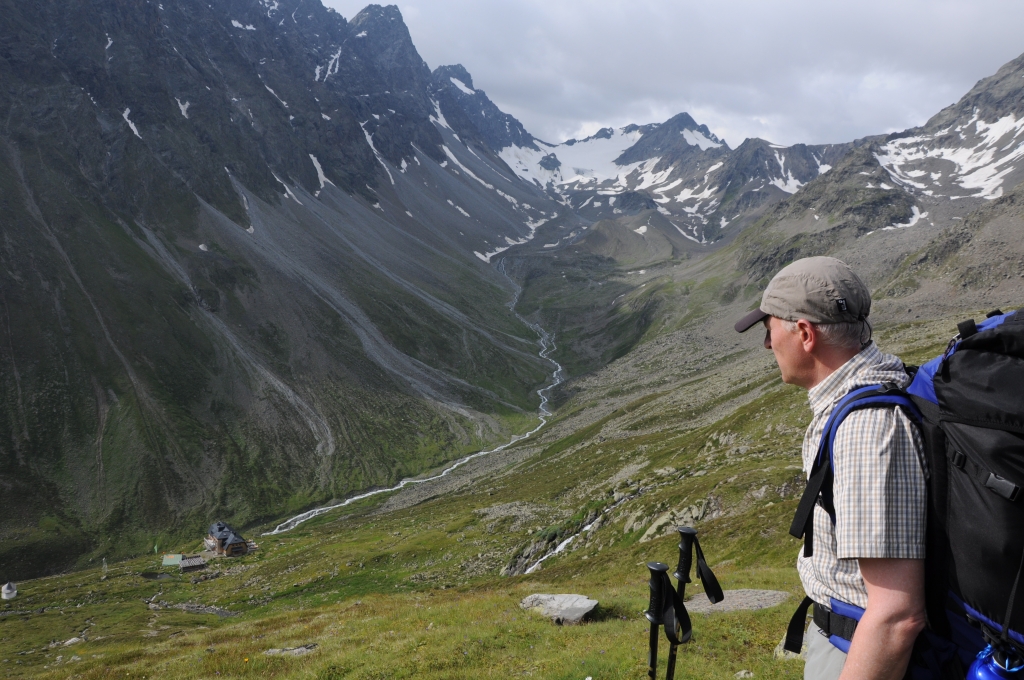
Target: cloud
(788, 71)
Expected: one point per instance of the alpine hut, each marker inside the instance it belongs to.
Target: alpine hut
(224, 540)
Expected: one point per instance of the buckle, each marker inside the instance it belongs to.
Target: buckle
(1003, 487)
(958, 459)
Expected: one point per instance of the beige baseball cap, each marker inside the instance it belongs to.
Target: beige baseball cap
(818, 289)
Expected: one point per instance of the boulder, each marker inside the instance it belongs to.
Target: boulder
(566, 609)
(292, 651)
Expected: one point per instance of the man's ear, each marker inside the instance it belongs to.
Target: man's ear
(808, 335)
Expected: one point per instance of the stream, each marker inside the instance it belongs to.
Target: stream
(547, 346)
(565, 543)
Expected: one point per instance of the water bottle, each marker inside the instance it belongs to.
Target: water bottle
(992, 664)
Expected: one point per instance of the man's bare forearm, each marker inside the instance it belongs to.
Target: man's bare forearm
(881, 648)
(884, 639)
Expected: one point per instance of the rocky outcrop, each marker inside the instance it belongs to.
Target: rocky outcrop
(663, 525)
(563, 610)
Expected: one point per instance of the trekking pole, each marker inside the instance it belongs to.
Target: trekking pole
(655, 608)
(686, 536)
(682, 574)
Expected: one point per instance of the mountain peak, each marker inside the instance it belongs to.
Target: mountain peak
(378, 15)
(458, 72)
(469, 110)
(676, 135)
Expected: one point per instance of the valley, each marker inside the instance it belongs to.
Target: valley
(263, 265)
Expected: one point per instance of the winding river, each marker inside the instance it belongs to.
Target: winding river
(547, 346)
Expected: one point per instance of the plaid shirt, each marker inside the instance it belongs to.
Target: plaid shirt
(879, 490)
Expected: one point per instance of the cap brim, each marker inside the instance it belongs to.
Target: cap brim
(754, 317)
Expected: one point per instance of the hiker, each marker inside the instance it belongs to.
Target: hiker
(870, 553)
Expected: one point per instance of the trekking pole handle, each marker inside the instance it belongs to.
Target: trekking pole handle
(686, 538)
(656, 606)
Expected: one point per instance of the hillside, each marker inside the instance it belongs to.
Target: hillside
(239, 274)
(412, 583)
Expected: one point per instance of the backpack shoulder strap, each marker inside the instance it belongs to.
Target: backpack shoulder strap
(819, 485)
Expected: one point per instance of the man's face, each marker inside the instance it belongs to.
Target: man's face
(788, 348)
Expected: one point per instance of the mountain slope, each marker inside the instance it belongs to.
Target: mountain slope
(238, 272)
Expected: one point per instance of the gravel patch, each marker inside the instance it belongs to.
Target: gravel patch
(742, 599)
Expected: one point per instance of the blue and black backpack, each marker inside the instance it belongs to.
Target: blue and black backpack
(969, 403)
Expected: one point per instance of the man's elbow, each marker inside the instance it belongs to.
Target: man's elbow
(904, 627)
(908, 625)
(902, 624)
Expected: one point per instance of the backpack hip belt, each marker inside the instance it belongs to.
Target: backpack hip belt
(837, 622)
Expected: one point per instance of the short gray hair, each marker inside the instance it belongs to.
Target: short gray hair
(852, 334)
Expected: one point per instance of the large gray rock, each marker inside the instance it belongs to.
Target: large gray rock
(565, 609)
(292, 651)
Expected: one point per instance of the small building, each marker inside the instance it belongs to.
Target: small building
(224, 540)
(10, 591)
(192, 563)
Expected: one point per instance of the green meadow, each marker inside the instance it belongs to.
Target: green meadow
(386, 590)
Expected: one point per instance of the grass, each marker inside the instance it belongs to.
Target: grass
(416, 592)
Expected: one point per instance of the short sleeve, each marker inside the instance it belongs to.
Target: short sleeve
(880, 492)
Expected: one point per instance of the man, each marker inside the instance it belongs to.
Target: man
(816, 315)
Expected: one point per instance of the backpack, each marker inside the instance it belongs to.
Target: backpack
(969, 403)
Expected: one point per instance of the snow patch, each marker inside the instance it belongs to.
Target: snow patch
(695, 240)
(787, 182)
(448, 152)
(439, 117)
(332, 66)
(462, 86)
(183, 107)
(486, 257)
(287, 189)
(361, 35)
(915, 217)
(130, 123)
(642, 230)
(696, 139)
(369, 140)
(583, 161)
(980, 164)
(283, 102)
(246, 27)
(320, 172)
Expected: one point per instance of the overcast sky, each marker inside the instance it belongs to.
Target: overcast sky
(788, 71)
